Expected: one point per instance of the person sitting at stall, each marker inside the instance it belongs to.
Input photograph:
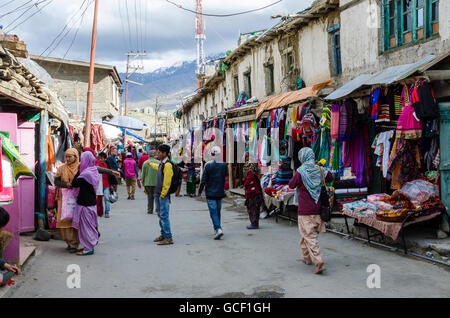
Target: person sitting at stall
(5, 268)
(242, 100)
(307, 180)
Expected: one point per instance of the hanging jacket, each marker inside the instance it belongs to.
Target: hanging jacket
(424, 102)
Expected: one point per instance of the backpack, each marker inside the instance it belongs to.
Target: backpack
(176, 178)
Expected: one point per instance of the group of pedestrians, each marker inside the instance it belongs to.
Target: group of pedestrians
(158, 174)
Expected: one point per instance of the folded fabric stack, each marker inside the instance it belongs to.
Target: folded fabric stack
(362, 207)
(347, 195)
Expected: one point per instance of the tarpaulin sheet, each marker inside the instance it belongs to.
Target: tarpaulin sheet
(291, 97)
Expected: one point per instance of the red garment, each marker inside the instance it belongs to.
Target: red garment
(306, 204)
(143, 159)
(252, 186)
(104, 175)
(99, 207)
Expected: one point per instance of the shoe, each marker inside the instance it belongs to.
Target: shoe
(129, 198)
(149, 212)
(319, 269)
(83, 253)
(107, 216)
(252, 227)
(305, 261)
(165, 242)
(219, 234)
(132, 198)
(72, 250)
(159, 239)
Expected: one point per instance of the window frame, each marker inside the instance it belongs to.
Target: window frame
(399, 20)
(248, 82)
(335, 32)
(270, 78)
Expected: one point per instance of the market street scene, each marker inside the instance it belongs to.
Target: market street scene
(186, 149)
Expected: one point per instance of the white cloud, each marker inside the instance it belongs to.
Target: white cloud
(164, 31)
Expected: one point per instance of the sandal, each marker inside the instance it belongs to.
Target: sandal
(83, 253)
(320, 269)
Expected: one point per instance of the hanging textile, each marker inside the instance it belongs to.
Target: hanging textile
(404, 162)
(335, 121)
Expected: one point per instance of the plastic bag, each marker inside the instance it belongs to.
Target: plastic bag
(69, 202)
(419, 190)
(113, 197)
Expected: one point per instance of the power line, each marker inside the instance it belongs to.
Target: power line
(136, 23)
(64, 28)
(39, 9)
(17, 9)
(7, 3)
(223, 15)
(73, 40)
(122, 24)
(68, 31)
(128, 20)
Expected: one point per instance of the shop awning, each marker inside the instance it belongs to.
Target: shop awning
(291, 97)
(135, 136)
(387, 76)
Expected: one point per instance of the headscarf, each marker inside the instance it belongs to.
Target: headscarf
(242, 100)
(310, 172)
(68, 171)
(88, 170)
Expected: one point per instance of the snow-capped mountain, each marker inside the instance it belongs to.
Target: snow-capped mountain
(169, 83)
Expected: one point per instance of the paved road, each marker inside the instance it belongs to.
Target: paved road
(244, 263)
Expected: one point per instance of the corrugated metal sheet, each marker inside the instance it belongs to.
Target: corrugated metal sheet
(387, 76)
(348, 88)
(398, 72)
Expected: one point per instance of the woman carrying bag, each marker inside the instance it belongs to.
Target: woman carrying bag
(308, 182)
(65, 175)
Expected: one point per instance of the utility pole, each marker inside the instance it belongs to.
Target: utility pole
(132, 68)
(87, 126)
(156, 115)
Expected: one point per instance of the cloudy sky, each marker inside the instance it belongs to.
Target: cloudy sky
(164, 31)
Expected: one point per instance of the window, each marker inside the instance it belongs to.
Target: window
(236, 87)
(270, 83)
(407, 21)
(336, 45)
(248, 84)
(289, 60)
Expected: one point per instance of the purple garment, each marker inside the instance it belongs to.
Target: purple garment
(88, 170)
(86, 222)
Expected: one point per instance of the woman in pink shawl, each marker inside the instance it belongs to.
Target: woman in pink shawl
(85, 215)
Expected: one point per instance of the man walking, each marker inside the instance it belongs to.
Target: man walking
(163, 182)
(149, 180)
(131, 174)
(213, 180)
(113, 165)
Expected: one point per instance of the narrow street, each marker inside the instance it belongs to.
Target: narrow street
(261, 263)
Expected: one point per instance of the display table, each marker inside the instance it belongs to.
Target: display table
(391, 229)
(281, 204)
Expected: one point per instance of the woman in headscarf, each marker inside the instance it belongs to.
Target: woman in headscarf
(85, 215)
(253, 195)
(308, 182)
(65, 174)
(242, 99)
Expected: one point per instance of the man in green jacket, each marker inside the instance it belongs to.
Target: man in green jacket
(149, 180)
